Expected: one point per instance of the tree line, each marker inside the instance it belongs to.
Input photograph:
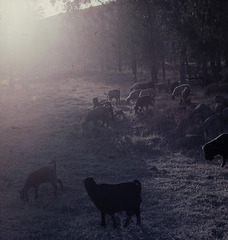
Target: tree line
(142, 34)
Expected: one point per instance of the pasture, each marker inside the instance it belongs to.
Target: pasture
(183, 195)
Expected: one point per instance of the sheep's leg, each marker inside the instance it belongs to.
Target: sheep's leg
(60, 183)
(224, 162)
(55, 188)
(136, 109)
(127, 221)
(138, 217)
(103, 219)
(114, 221)
(95, 123)
(36, 192)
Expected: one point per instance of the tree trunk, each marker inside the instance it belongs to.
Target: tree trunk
(205, 70)
(187, 67)
(153, 59)
(133, 59)
(134, 68)
(163, 70)
(119, 58)
(213, 67)
(182, 71)
(218, 62)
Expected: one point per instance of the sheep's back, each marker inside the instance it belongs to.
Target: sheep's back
(42, 175)
(117, 197)
(177, 90)
(98, 113)
(134, 94)
(147, 91)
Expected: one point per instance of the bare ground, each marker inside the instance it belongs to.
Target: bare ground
(184, 196)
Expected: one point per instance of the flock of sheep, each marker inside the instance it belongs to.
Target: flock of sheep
(143, 93)
(112, 198)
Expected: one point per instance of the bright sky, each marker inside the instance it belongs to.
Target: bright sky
(17, 8)
(50, 10)
(18, 20)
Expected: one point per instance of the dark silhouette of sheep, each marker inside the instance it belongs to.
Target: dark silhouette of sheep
(217, 146)
(134, 95)
(96, 114)
(185, 96)
(114, 94)
(35, 179)
(211, 88)
(107, 104)
(144, 101)
(113, 198)
(178, 90)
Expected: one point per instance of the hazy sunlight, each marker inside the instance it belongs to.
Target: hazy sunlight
(20, 43)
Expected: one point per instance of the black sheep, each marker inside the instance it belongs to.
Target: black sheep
(112, 198)
(45, 174)
(144, 101)
(217, 146)
(107, 104)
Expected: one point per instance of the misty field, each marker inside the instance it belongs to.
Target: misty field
(183, 195)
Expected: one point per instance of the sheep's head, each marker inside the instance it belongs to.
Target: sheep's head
(95, 102)
(89, 183)
(89, 186)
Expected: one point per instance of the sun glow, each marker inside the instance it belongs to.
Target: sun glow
(17, 31)
(14, 15)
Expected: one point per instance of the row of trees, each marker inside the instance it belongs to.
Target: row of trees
(148, 34)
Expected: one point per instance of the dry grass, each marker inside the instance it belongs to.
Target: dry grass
(183, 197)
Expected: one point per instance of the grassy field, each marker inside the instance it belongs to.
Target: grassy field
(184, 196)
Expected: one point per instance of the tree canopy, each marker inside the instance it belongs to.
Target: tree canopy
(149, 32)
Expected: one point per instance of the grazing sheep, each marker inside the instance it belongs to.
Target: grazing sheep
(142, 85)
(144, 101)
(147, 92)
(107, 104)
(221, 102)
(112, 198)
(163, 86)
(43, 175)
(202, 111)
(96, 114)
(225, 114)
(97, 103)
(211, 88)
(115, 93)
(217, 146)
(195, 82)
(177, 90)
(223, 87)
(221, 99)
(185, 96)
(134, 95)
(173, 85)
